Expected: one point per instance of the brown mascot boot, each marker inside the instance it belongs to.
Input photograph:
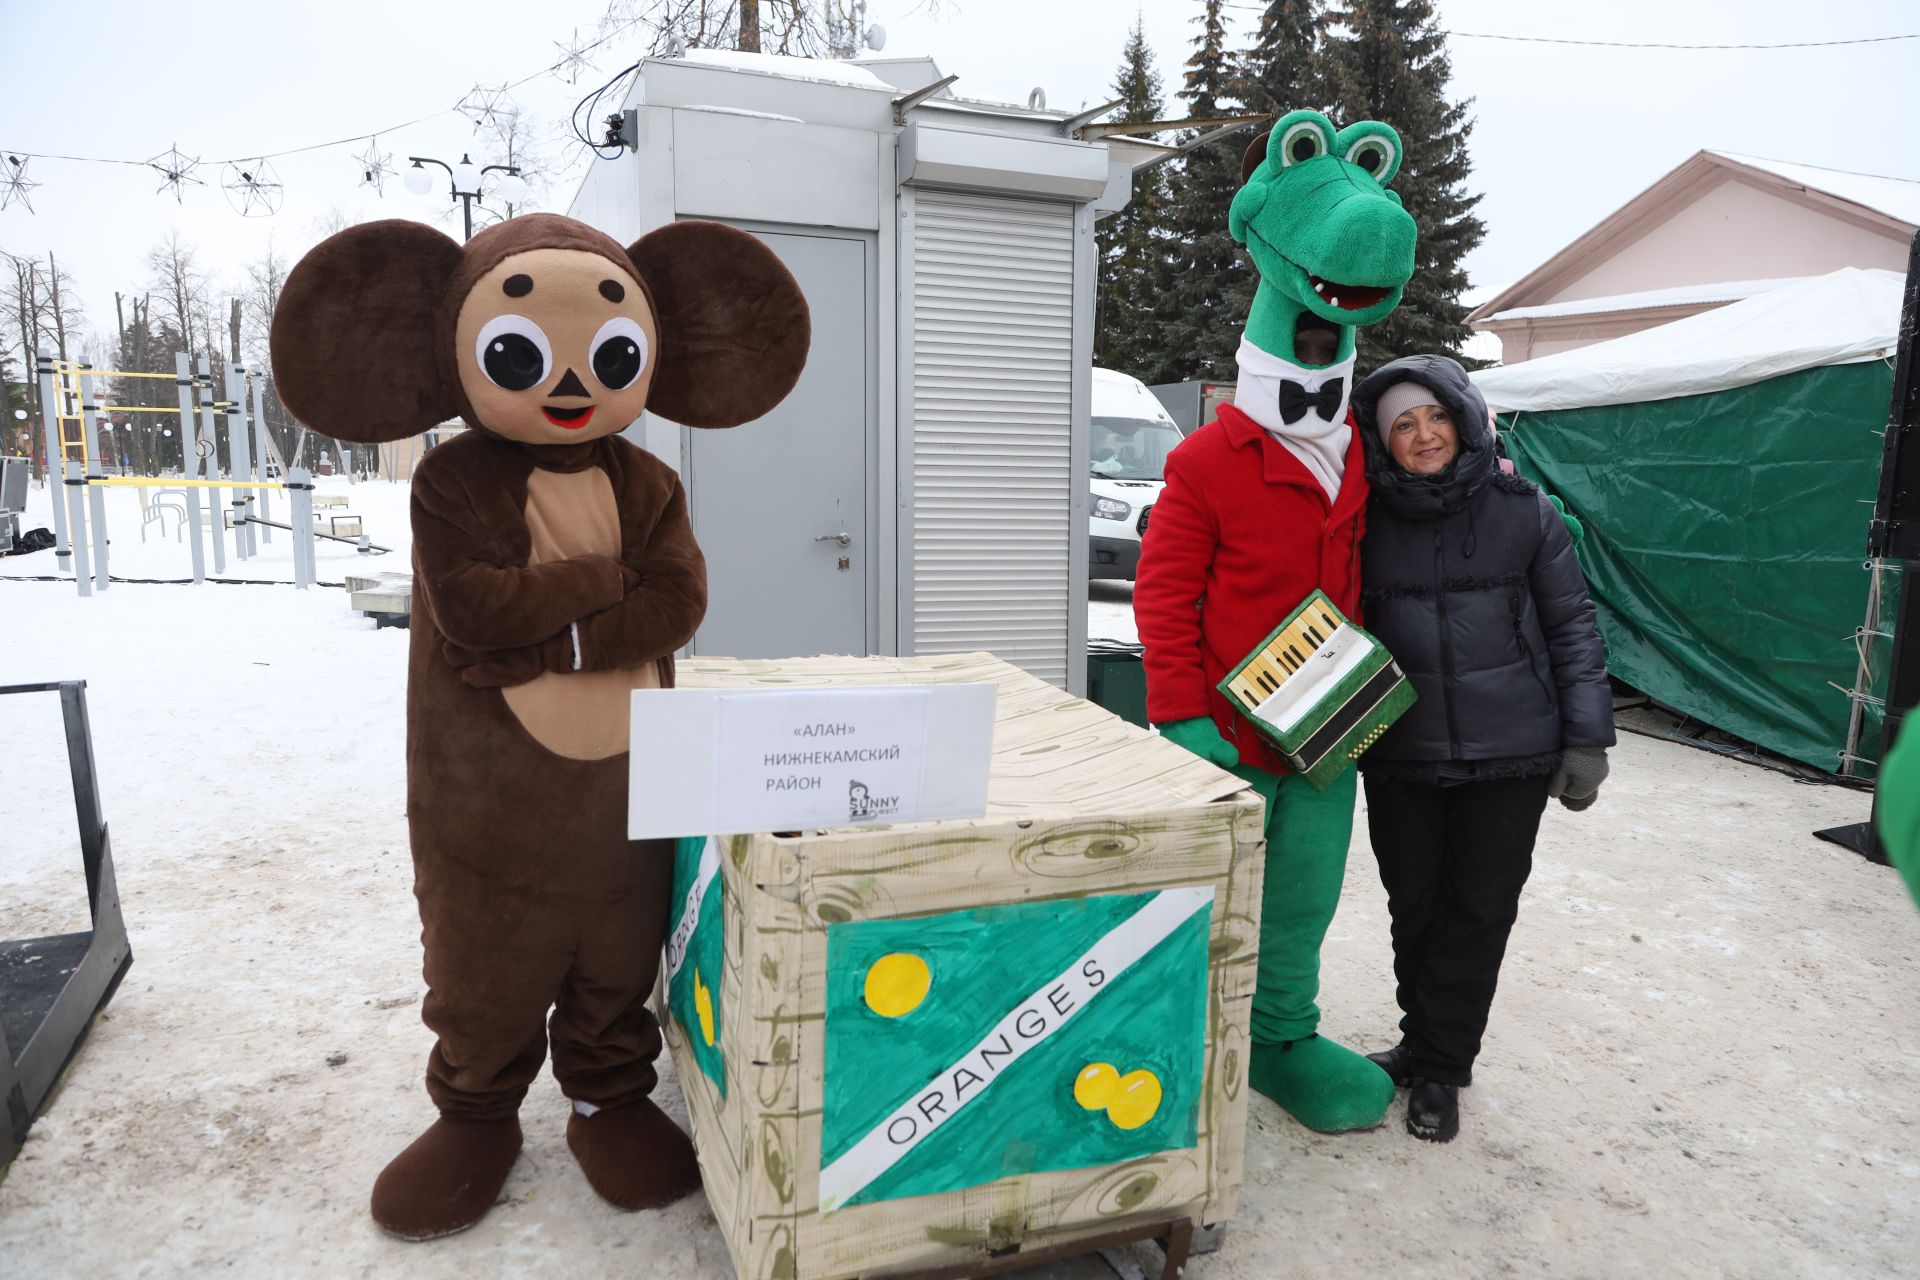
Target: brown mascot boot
(634, 1156)
(448, 1179)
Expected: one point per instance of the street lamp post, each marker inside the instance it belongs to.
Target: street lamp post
(464, 181)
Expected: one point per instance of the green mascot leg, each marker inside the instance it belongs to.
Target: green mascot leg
(1324, 1085)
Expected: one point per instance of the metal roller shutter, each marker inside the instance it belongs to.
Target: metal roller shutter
(992, 428)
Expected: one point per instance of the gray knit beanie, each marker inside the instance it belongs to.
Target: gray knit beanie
(1396, 400)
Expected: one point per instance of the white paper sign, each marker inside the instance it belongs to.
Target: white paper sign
(722, 761)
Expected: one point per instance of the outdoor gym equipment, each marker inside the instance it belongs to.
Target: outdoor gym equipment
(67, 402)
(51, 988)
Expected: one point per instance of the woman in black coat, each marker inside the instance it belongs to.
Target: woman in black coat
(1470, 581)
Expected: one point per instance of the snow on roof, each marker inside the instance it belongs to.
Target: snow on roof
(1684, 295)
(1844, 317)
(1117, 395)
(1895, 197)
(820, 70)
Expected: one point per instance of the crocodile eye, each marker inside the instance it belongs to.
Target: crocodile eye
(1303, 142)
(619, 353)
(1375, 155)
(513, 352)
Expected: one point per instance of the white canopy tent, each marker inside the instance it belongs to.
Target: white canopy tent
(1845, 317)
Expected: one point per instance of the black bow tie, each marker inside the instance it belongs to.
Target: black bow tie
(1295, 400)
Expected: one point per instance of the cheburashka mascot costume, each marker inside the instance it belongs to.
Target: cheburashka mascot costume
(1261, 507)
(555, 570)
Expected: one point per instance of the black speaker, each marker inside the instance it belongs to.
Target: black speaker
(1895, 532)
(1895, 535)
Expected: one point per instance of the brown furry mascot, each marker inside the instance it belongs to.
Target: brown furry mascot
(554, 570)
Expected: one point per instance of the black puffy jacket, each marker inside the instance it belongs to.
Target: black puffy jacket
(1470, 580)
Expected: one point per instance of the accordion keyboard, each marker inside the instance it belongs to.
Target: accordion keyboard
(1286, 655)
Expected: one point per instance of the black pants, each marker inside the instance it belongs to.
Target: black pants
(1453, 860)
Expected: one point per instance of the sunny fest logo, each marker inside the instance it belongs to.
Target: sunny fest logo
(695, 941)
(983, 1044)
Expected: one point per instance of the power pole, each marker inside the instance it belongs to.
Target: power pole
(750, 26)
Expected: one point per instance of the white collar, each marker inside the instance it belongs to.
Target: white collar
(1258, 392)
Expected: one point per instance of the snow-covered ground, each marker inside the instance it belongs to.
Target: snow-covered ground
(158, 548)
(1110, 612)
(1704, 1060)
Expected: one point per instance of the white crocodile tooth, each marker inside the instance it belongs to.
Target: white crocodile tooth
(1334, 301)
(1319, 286)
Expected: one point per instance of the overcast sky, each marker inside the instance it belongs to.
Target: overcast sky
(1563, 135)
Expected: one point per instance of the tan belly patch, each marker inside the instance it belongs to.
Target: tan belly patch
(582, 715)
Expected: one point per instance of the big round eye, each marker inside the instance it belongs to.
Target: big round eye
(1375, 155)
(513, 352)
(1302, 142)
(619, 353)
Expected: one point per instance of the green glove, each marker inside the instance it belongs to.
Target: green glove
(1574, 528)
(1899, 807)
(1199, 736)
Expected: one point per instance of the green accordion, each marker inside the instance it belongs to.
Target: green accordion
(1320, 689)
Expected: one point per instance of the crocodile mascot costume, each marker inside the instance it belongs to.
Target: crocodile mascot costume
(1261, 507)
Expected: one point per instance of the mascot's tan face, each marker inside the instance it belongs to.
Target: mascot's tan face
(556, 346)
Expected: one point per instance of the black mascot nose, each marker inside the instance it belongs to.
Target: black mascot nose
(570, 385)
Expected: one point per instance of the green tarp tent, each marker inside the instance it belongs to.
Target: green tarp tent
(1725, 467)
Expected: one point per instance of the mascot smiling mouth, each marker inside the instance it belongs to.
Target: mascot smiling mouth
(571, 419)
(1347, 297)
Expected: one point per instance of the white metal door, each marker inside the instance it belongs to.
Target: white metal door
(992, 436)
(780, 504)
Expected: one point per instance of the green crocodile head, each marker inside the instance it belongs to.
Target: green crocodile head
(1331, 243)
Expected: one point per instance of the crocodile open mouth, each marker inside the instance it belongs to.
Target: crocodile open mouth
(571, 419)
(1347, 297)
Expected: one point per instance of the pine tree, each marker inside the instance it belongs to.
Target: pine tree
(1127, 329)
(1386, 61)
(1206, 279)
(1281, 72)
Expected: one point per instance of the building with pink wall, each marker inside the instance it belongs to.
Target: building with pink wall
(1719, 228)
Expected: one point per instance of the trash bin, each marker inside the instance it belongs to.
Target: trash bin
(1117, 679)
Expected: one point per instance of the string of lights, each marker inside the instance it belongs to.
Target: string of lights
(572, 59)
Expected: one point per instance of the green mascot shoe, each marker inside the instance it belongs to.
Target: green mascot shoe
(1325, 1086)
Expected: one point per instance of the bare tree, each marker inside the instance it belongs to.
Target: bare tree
(800, 28)
(181, 287)
(40, 307)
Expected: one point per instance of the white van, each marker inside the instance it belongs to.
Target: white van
(1132, 435)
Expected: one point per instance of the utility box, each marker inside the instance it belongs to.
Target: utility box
(13, 499)
(1192, 405)
(923, 489)
(949, 1044)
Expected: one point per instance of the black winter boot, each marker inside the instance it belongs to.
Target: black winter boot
(1433, 1111)
(1394, 1062)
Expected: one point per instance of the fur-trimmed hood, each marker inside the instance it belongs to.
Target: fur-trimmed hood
(1428, 497)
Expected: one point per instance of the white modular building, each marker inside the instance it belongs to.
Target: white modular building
(924, 490)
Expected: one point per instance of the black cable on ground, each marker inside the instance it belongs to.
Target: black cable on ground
(174, 582)
(1754, 757)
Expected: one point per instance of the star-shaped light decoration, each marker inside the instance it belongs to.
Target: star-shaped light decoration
(375, 168)
(253, 188)
(176, 169)
(15, 184)
(573, 58)
(485, 106)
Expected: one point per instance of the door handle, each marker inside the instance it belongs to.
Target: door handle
(844, 539)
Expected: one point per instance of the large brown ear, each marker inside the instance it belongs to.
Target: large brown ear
(734, 328)
(355, 337)
(1250, 158)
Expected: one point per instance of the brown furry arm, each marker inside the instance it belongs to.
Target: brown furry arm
(659, 613)
(481, 598)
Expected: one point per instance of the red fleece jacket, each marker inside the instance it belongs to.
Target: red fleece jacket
(1239, 537)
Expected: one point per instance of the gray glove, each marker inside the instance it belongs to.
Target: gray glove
(1577, 782)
